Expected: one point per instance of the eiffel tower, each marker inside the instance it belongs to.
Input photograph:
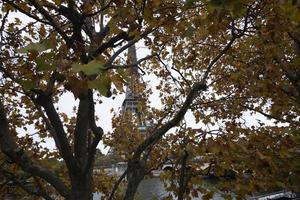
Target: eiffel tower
(133, 95)
(134, 90)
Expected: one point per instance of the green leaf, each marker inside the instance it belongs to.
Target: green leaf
(41, 65)
(124, 74)
(102, 83)
(39, 47)
(93, 67)
(27, 84)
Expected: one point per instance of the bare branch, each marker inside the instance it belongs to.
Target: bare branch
(170, 74)
(270, 116)
(110, 43)
(130, 43)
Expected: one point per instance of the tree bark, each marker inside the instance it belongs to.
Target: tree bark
(136, 173)
(81, 186)
(184, 178)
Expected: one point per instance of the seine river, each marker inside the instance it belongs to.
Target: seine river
(153, 188)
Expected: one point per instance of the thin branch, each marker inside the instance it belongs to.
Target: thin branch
(112, 194)
(130, 43)
(228, 46)
(135, 64)
(170, 74)
(213, 62)
(51, 20)
(119, 51)
(99, 11)
(181, 75)
(3, 21)
(110, 43)
(269, 116)
(25, 12)
(173, 122)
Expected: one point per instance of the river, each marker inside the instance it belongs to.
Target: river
(153, 188)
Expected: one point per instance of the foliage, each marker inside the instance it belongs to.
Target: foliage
(233, 64)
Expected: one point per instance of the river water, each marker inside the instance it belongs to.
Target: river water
(153, 188)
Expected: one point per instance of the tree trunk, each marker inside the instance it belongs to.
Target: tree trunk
(184, 178)
(136, 173)
(82, 187)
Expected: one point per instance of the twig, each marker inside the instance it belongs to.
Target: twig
(99, 11)
(135, 64)
(170, 74)
(117, 185)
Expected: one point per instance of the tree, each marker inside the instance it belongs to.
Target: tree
(219, 59)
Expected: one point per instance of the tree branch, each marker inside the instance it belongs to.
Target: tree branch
(81, 131)
(11, 177)
(51, 20)
(135, 64)
(184, 178)
(119, 51)
(98, 131)
(25, 12)
(98, 11)
(10, 148)
(110, 43)
(173, 122)
(213, 62)
(112, 194)
(270, 116)
(59, 136)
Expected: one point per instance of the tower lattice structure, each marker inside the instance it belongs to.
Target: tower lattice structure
(134, 89)
(133, 95)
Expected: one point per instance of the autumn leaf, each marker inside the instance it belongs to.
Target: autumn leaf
(78, 87)
(118, 82)
(102, 83)
(93, 67)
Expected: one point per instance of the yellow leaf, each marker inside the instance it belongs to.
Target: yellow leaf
(118, 82)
